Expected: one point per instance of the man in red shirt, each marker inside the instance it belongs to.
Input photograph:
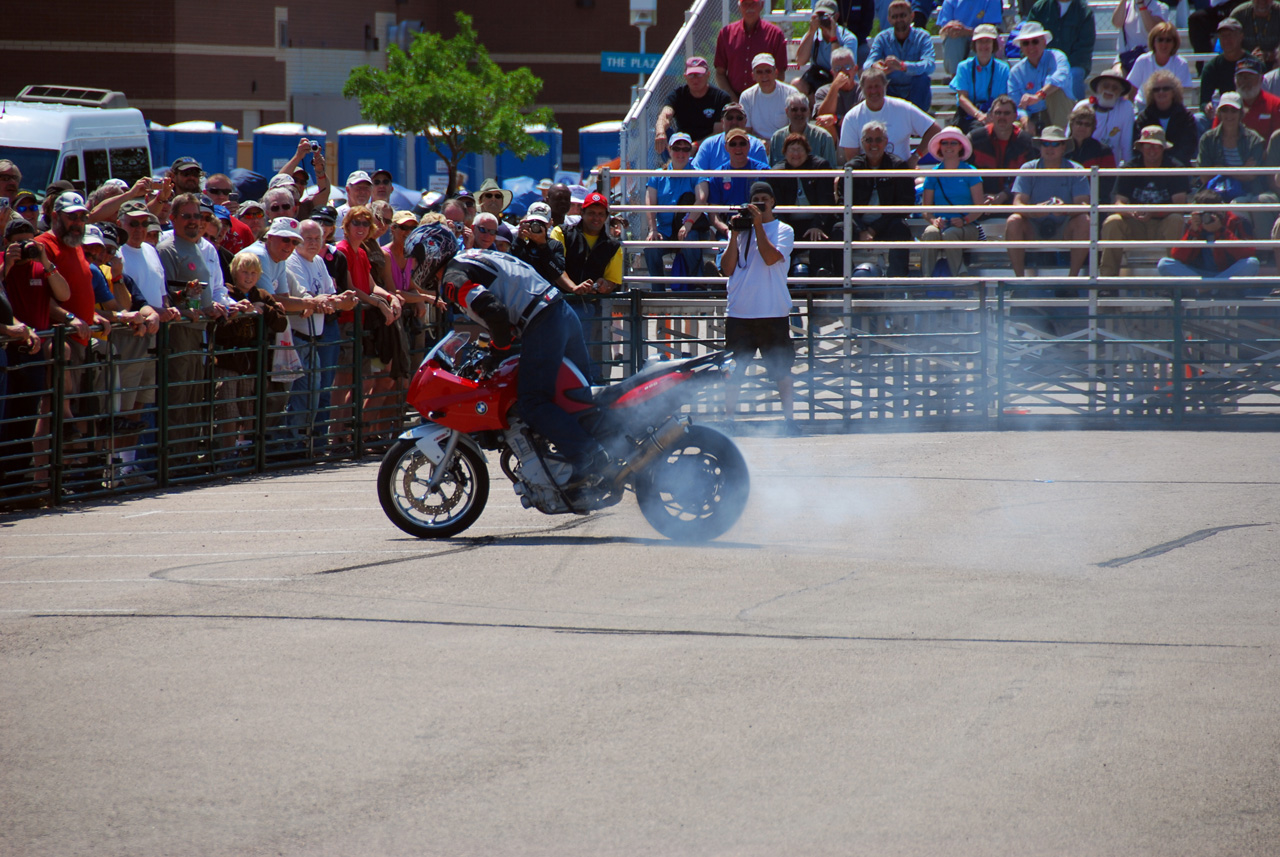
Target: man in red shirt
(1261, 108)
(62, 247)
(739, 41)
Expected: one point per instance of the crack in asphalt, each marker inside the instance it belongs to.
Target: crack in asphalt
(643, 632)
(1156, 550)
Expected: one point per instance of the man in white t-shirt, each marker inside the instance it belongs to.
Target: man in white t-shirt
(902, 120)
(756, 261)
(309, 273)
(766, 101)
(141, 261)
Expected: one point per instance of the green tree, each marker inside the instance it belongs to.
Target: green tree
(450, 92)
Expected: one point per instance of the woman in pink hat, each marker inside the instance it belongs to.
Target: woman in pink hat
(952, 149)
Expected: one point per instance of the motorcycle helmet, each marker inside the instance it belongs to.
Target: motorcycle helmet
(431, 246)
(868, 269)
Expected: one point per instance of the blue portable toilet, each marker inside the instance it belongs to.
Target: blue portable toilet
(599, 144)
(211, 143)
(369, 148)
(433, 171)
(275, 145)
(538, 166)
(159, 139)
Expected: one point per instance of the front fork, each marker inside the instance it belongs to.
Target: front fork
(440, 445)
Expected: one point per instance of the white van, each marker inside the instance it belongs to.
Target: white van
(49, 133)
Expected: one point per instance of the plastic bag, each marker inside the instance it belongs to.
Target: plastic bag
(286, 366)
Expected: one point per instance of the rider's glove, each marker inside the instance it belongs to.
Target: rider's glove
(489, 364)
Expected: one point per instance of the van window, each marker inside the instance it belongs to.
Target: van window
(71, 168)
(130, 164)
(97, 168)
(36, 164)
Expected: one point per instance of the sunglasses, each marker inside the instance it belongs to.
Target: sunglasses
(737, 144)
(682, 148)
(25, 209)
(491, 195)
(189, 215)
(136, 224)
(361, 223)
(251, 214)
(406, 226)
(217, 191)
(468, 202)
(382, 182)
(1050, 144)
(280, 208)
(191, 171)
(948, 143)
(484, 231)
(75, 215)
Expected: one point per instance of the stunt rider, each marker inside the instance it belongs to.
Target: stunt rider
(508, 298)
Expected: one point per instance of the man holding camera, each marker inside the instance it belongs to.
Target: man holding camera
(756, 262)
(535, 246)
(1033, 188)
(824, 35)
(1224, 254)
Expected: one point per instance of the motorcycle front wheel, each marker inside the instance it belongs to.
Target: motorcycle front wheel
(454, 505)
(697, 489)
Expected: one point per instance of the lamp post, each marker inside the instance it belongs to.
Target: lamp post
(644, 14)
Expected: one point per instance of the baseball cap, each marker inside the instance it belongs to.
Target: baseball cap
(539, 211)
(386, 173)
(284, 227)
(595, 198)
(206, 204)
(1231, 24)
(250, 205)
(1231, 99)
(828, 6)
(69, 201)
(93, 235)
(577, 193)
(679, 137)
(185, 163)
(695, 65)
(504, 233)
(326, 215)
(735, 105)
(280, 180)
(1253, 65)
(222, 212)
(358, 176)
(133, 208)
(733, 133)
(110, 236)
(985, 31)
(404, 216)
(763, 59)
(761, 187)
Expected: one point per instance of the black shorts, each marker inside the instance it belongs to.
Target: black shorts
(772, 336)
(816, 78)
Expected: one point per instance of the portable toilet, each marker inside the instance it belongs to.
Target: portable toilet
(433, 171)
(369, 148)
(540, 166)
(211, 143)
(599, 144)
(275, 145)
(159, 137)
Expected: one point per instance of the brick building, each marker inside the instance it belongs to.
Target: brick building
(247, 64)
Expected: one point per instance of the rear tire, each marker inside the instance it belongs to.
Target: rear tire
(455, 504)
(696, 490)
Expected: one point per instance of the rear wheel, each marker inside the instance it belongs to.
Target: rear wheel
(454, 505)
(696, 490)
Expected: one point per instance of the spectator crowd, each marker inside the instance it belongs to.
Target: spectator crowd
(1022, 95)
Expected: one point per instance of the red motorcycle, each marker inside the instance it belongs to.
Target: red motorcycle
(691, 481)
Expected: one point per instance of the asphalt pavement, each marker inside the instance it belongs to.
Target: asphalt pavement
(964, 644)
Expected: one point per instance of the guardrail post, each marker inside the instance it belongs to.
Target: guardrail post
(848, 225)
(1000, 354)
(1179, 352)
(637, 330)
(162, 405)
(265, 358)
(1093, 227)
(56, 457)
(357, 384)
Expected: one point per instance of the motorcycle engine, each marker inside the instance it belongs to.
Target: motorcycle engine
(535, 476)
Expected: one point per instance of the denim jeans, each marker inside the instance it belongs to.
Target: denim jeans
(554, 334)
(304, 395)
(654, 257)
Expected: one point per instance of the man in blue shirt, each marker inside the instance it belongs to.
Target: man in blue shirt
(712, 152)
(906, 55)
(1049, 191)
(957, 19)
(730, 190)
(1040, 84)
(825, 35)
(1073, 28)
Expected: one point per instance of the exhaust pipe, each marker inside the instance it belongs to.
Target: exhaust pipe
(655, 442)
